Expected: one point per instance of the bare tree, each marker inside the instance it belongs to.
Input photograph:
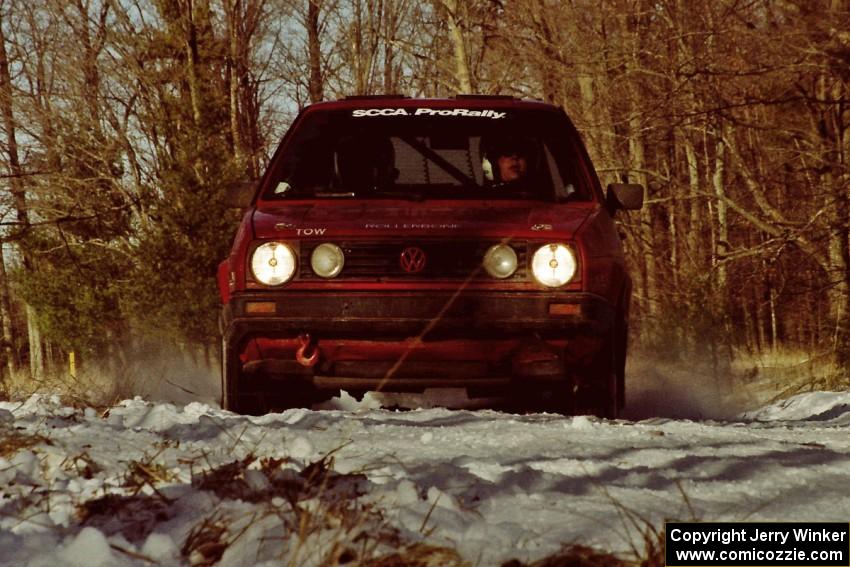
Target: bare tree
(16, 181)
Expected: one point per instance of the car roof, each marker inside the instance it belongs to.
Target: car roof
(401, 101)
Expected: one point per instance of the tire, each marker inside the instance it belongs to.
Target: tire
(528, 399)
(550, 396)
(600, 386)
(621, 353)
(560, 398)
(226, 398)
(233, 395)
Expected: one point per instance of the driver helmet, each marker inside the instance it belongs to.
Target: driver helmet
(501, 146)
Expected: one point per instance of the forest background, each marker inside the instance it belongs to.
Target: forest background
(124, 123)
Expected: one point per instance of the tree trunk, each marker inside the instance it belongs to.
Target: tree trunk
(20, 204)
(694, 218)
(722, 244)
(315, 85)
(15, 172)
(673, 235)
(389, 27)
(357, 49)
(637, 168)
(191, 46)
(592, 79)
(49, 360)
(760, 322)
(750, 339)
(463, 75)
(235, 74)
(91, 47)
(828, 131)
(774, 329)
(6, 314)
(34, 338)
(638, 164)
(695, 233)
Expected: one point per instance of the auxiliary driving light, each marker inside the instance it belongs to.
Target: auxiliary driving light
(273, 263)
(327, 260)
(500, 261)
(553, 265)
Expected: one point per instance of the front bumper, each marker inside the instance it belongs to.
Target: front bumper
(407, 341)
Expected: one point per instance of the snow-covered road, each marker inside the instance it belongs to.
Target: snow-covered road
(163, 484)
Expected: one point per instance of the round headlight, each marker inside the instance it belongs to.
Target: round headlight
(553, 265)
(327, 260)
(273, 263)
(500, 261)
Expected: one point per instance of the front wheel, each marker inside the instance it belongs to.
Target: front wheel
(234, 396)
(600, 386)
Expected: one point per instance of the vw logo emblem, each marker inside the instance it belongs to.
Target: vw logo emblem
(412, 260)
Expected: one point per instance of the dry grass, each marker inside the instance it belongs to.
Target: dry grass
(156, 370)
(83, 465)
(778, 375)
(12, 441)
(91, 388)
(146, 472)
(723, 389)
(575, 556)
(323, 521)
(207, 541)
(420, 555)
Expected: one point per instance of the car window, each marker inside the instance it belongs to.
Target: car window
(442, 154)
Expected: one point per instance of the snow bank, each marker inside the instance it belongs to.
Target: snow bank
(821, 407)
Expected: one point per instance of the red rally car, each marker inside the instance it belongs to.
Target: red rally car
(397, 244)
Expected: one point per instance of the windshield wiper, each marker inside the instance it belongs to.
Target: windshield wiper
(407, 195)
(337, 194)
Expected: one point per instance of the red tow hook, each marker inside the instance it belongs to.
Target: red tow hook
(307, 346)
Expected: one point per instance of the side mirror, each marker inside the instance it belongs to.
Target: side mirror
(240, 194)
(626, 196)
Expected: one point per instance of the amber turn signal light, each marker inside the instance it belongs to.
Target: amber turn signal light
(260, 307)
(564, 309)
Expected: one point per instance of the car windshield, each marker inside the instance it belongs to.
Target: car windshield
(431, 153)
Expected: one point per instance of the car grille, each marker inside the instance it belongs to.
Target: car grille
(445, 259)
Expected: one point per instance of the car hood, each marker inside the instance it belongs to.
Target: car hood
(366, 219)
